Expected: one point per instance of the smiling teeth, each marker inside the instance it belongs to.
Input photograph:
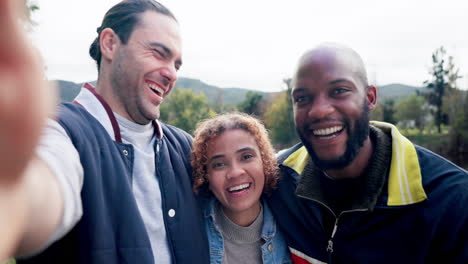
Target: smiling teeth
(327, 131)
(156, 89)
(239, 187)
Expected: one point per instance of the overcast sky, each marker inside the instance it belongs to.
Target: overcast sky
(255, 44)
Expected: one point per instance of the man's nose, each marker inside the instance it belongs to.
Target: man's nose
(321, 107)
(169, 73)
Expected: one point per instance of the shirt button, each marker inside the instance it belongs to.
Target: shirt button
(125, 152)
(171, 213)
(270, 247)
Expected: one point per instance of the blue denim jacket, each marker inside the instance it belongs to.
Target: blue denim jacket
(274, 250)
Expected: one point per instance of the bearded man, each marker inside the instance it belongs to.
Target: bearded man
(355, 191)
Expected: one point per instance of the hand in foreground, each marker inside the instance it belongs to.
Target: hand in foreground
(25, 102)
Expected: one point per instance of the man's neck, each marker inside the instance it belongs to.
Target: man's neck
(104, 89)
(358, 166)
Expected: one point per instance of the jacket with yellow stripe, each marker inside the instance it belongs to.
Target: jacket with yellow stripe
(414, 208)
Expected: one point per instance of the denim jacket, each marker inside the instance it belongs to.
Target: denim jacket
(274, 250)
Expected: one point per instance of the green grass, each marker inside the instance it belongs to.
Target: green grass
(431, 141)
(427, 131)
(429, 138)
(10, 261)
(438, 143)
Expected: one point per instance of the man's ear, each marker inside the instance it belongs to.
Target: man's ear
(108, 42)
(371, 96)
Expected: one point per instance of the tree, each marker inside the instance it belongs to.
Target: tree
(456, 107)
(252, 104)
(377, 113)
(279, 118)
(444, 76)
(184, 109)
(388, 110)
(412, 109)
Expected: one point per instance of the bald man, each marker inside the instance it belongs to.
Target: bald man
(355, 191)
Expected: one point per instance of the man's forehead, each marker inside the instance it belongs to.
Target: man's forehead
(314, 65)
(330, 61)
(155, 27)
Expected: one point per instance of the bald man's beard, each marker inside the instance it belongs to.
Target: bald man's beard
(355, 141)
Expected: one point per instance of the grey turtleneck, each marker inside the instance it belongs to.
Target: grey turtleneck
(242, 245)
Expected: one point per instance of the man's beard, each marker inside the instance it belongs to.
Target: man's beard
(354, 143)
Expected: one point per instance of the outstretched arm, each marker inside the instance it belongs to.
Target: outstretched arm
(30, 201)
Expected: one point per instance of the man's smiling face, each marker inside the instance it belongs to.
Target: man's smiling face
(331, 112)
(144, 70)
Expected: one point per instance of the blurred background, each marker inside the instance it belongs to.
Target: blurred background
(241, 55)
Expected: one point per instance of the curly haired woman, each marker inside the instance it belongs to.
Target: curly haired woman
(234, 165)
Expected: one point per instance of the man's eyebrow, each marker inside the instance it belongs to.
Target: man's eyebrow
(297, 90)
(166, 50)
(164, 47)
(339, 81)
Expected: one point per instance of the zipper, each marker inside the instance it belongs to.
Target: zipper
(330, 241)
(329, 248)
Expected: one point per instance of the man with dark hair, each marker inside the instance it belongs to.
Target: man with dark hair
(356, 191)
(117, 181)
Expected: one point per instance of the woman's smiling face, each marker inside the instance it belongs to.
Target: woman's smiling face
(235, 174)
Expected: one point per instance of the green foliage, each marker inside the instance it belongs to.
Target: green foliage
(459, 114)
(456, 107)
(377, 113)
(435, 142)
(279, 119)
(184, 109)
(252, 104)
(412, 109)
(444, 75)
(388, 111)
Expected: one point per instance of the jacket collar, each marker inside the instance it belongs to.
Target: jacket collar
(404, 180)
(89, 99)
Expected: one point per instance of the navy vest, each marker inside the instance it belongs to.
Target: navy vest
(111, 229)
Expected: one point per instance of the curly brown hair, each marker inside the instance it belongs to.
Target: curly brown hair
(209, 129)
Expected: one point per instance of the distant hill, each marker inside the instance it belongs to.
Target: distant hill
(67, 90)
(214, 94)
(395, 91)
